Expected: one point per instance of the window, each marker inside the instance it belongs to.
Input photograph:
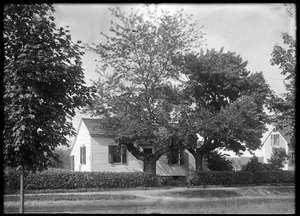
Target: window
(148, 150)
(117, 154)
(275, 139)
(72, 162)
(292, 160)
(82, 155)
(176, 156)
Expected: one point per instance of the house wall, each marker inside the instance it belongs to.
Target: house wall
(291, 166)
(164, 169)
(82, 139)
(99, 157)
(268, 147)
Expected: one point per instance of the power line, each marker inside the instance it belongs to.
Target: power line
(274, 78)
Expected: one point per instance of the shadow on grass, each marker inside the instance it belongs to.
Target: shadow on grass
(76, 197)
(203, 194)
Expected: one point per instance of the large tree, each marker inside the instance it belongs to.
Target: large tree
(228, 103)
(139, 87)
(284, 106)
(43, 85)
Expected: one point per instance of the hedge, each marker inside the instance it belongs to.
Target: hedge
(75, 180)
(274, 176)
(239, 177)
(219, 178)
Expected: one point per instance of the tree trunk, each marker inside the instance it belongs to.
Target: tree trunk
(22, 190)
(148, 160)
(150, 165)
(198, 161)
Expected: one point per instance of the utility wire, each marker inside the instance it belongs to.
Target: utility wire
(274, 78)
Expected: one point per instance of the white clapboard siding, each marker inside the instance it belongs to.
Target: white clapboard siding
(268, 147)
(164, 169)
(100, 157)
(82, 139)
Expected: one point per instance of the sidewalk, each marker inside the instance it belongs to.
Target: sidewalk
(153, 191)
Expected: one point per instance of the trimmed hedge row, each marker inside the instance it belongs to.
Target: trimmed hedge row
(274, 176)
(219, 178)
(75, 180)
(239, 177)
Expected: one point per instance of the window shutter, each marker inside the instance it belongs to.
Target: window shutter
(170, 156)
(72, 162)
(80, 155)
(84, 155)
(110, 154)
(124, 154)
(181, 156)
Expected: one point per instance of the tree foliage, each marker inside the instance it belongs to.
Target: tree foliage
(284, 107)
(63, 159)
(139, 88)
(217, 161)
(228, 103)
(278, 158)
(43, 85)
(254, 165)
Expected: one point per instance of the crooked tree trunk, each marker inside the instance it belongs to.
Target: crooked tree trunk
(149, 164)
(199, 162)
(199, 153)
(149, 160)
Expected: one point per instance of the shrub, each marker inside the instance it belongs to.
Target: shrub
(219, 178)
(12, 178)
(254, 165)
(278, 158)
(217, 161)
(75, 180)
(274, 176)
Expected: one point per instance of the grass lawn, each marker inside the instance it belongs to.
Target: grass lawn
(257, 200)
(208, 193)
(77, 197)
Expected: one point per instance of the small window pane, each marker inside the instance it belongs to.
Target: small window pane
(275, 139)
(148, 150)
(116, 154)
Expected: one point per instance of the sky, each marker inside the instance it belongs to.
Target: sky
(249, 30)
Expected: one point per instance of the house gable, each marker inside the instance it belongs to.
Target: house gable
(269, 142)
(98, 143)
(81, 149)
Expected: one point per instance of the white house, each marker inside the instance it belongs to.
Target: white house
(275, 139)
(93, 150)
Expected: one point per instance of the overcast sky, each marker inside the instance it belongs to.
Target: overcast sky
(250, 30)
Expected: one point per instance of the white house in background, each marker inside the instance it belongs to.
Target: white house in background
(93, 150)
(275, 139)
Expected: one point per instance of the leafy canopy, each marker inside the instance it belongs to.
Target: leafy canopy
(278, 158)
(43, 85)
(284, 107)
(139, 88)
(228, 101)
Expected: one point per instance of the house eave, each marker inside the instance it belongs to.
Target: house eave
(103, 135)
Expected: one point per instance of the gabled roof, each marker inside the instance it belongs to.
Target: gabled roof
(286, 137)
(282, 132)
(94, 128)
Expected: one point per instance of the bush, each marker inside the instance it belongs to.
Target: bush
(254, 165)
(239, 177)
(217, 161)
(274, 176)
(12, 178)
(219, 178)
(76, 180)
